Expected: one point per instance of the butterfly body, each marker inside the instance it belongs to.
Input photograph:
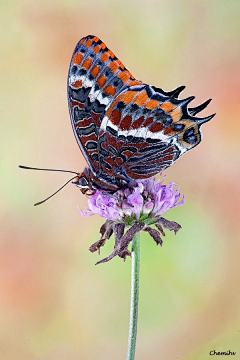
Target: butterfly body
(126, 130)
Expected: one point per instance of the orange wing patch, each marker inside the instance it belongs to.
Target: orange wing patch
(110, 90)
(95, 71)
(167, 106)
(88, 43)
(95, 39)
(123, 76)
(128, 97)
(101, 80)
(77, 84)
(104, 57)
(176, 114)
(113, 66)
(77, 59)
(152, 104)
(87, 63)
(141, 98)
(111, 53)
(97, 48)
(103, 46)
(134, 82)
(120, 64)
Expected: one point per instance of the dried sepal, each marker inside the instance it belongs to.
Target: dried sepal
(118, 230)
(160, 228)
(121, 246)
(122, 240)
(167, 224)
(124, 254)
(154, 234)
(106, 231)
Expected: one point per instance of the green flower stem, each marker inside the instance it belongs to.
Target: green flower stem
(134, 297)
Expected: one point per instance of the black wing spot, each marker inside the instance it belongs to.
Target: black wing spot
(97, 107)
(146, 111)
(134, 108)
(120, 105)
(152, 141)
(160, 147)
(133, 139)
(73, 70)
(111, 131)
(96, 87)
(82, 72)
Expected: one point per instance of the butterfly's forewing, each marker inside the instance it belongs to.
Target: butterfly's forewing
(95, 78)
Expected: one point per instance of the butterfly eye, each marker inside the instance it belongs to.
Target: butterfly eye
(82, 182)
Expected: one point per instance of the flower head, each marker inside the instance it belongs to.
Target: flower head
(139, 207)
(147, 200)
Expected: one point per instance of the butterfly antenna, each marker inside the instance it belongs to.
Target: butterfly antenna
(33, 168)
(41, 202)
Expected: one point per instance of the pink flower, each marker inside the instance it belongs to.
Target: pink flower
(149, 199)
(135, 200)
(103, 205)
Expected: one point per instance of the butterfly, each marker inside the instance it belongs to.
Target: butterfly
(127, 130)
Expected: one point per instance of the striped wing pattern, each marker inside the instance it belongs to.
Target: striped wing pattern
(126, 129)
(144, 131)
(95, 77)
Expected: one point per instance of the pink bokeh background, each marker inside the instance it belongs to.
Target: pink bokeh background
(54, 303)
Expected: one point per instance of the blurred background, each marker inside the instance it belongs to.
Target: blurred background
(54, 303)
